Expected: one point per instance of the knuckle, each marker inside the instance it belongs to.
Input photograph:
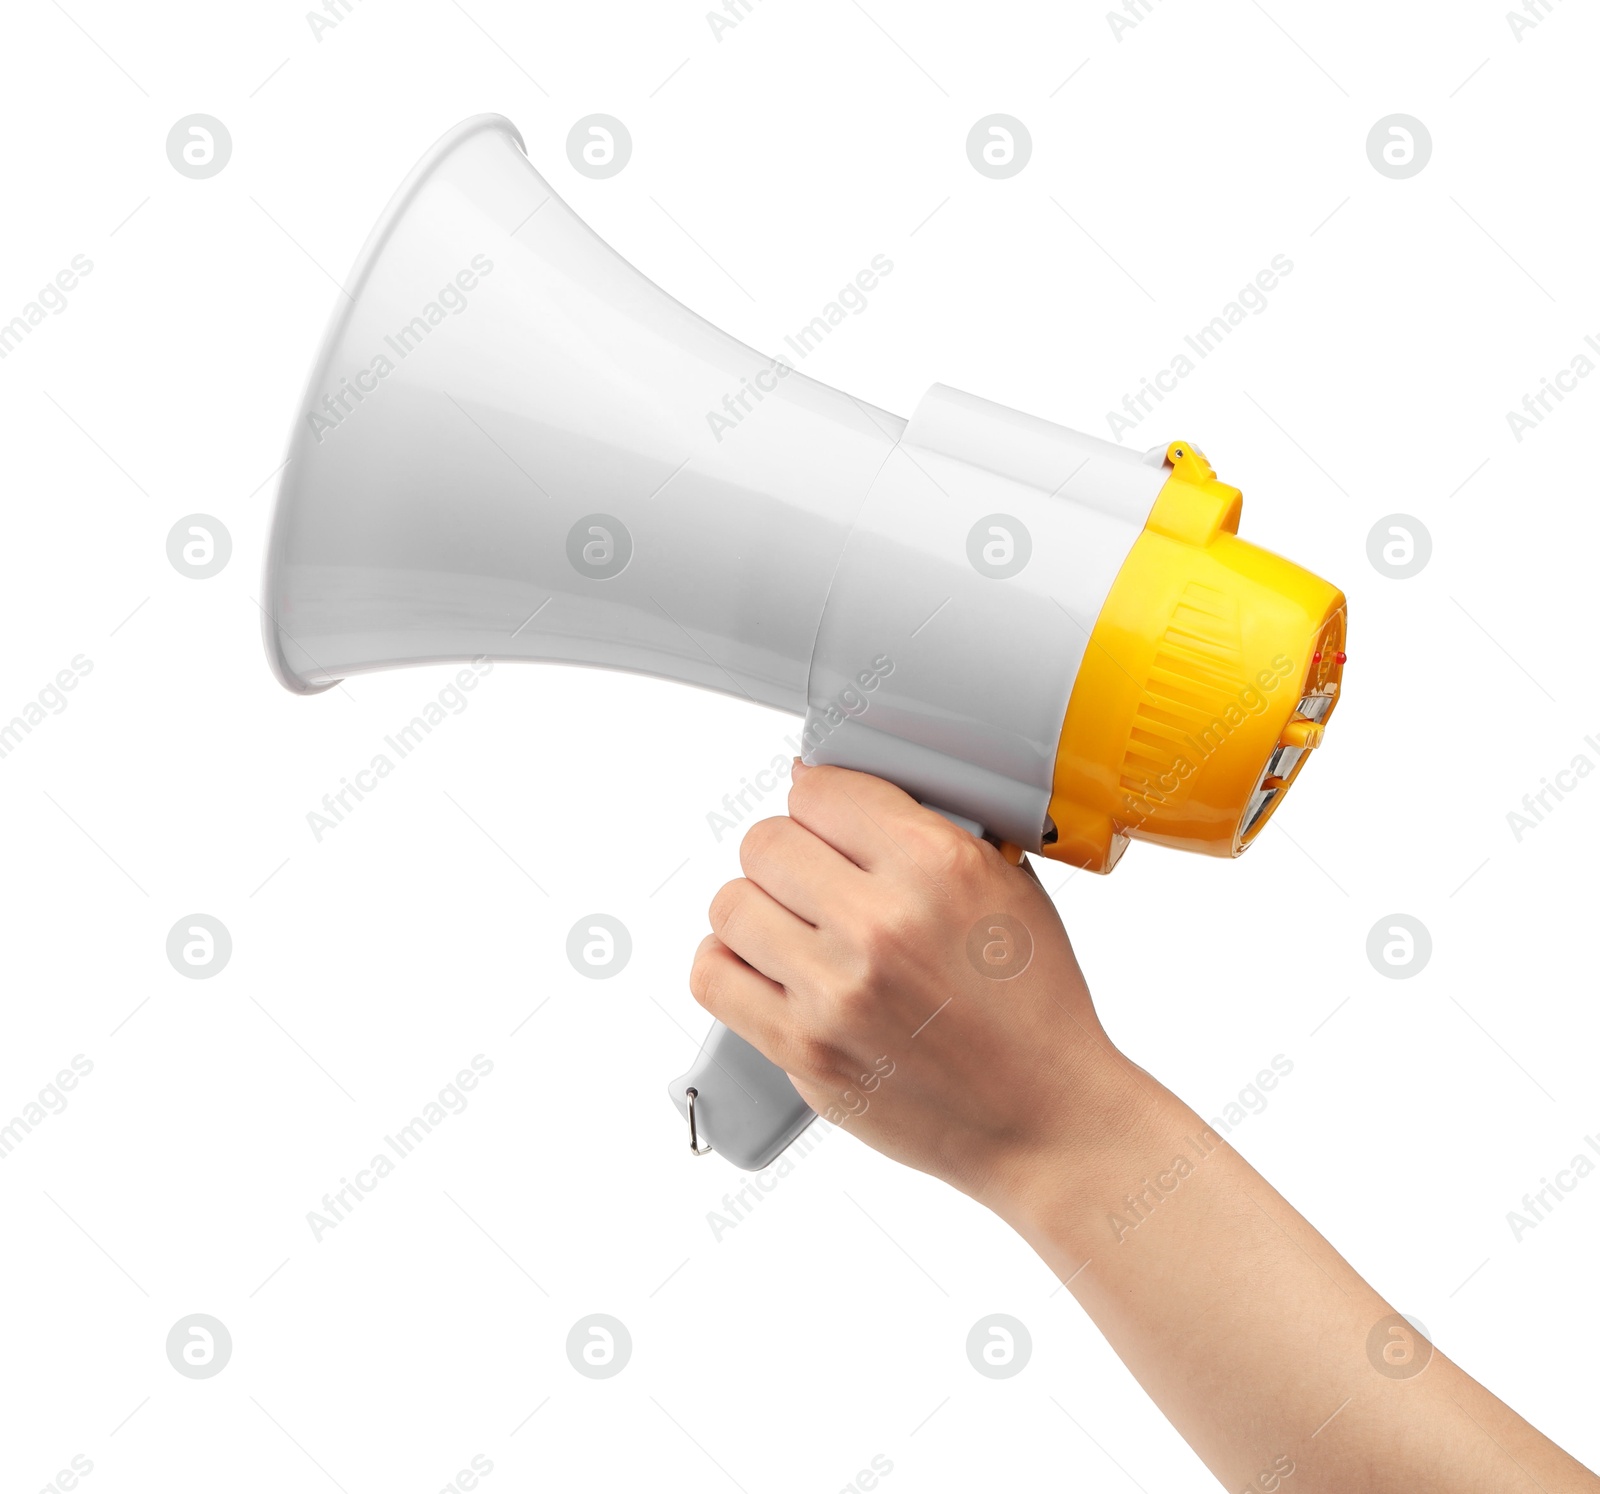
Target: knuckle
(726, 904)
(762, 842)
(886, 938)
(851, 993)
(705, 978)
(957, 856)
(880, 949)
(703, 982)
(808, 789)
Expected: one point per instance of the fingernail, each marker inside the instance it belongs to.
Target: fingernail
(800, 766)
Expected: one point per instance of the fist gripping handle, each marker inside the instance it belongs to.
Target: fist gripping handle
(740, 1103)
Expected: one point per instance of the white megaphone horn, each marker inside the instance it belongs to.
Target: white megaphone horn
(515, 446)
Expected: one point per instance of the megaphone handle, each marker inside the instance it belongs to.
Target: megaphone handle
(739, 1100)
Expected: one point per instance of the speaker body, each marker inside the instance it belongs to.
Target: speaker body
(507, 450)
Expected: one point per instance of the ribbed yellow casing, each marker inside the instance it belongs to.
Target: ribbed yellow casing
(1210, 672)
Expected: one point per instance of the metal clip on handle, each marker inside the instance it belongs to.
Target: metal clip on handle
(694, 1137)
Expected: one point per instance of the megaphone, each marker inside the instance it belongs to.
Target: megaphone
(515, 446)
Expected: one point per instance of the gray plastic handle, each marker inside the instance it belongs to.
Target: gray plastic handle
(745, 1107)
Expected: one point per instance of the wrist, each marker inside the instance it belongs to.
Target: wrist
(1108, 1133)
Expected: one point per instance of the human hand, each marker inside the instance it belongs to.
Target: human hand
(914, 986)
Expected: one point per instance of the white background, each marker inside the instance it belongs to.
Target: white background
(830, 1326)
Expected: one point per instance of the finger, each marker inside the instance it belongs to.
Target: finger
(765, 934)
(745, 1001)
(872, 822)
(800, 870)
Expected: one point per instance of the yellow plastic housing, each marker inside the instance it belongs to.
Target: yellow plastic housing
(1208, 680)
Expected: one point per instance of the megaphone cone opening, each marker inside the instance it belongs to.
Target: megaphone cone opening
(273, 634)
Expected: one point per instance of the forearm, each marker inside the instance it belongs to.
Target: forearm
(1252, 1334)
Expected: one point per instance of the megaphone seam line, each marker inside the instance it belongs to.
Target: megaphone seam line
(1089, 638)
(855, 525)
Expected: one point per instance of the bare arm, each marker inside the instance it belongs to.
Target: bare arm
(922, 992)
